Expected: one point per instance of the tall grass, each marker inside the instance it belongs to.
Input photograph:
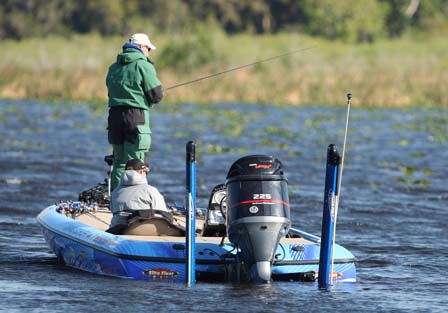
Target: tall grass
(399, 73)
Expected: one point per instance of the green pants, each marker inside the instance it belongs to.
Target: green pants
(130, 136)
(126, 151)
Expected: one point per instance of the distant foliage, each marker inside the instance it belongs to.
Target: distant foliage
(350, 20)
(104, 16)
(30, 18)
(186, 53)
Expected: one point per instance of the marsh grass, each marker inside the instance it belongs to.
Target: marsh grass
(401, 73)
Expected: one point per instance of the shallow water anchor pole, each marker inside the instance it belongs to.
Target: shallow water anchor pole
(190, 214)
(328, 217)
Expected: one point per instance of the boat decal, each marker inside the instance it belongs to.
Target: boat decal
(160, 273)
(272, 201)
(253, 209)
(258, 166)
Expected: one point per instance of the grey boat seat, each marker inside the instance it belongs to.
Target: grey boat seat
(153, 227)
(149, 223)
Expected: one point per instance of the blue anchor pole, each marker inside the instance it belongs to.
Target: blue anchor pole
(328, 217)
(190, 212)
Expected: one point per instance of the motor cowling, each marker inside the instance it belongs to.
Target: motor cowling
(258, 211)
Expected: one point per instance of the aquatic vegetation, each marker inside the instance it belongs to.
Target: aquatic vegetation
(181, 134)
(411, 181)
(374, 185)
(403, 142)
(435, 125)
(29, 130)
(412, 175)
(217, 149)
(281, 132)
(311, 123)
(278, 145)
(407, 170)
(383, 74)
(418, 155)
(295, 153)
(19, 145)
(426, 171)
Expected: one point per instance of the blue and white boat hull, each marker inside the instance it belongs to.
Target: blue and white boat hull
(82, 246)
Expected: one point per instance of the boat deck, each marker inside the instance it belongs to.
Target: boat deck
(101, 220)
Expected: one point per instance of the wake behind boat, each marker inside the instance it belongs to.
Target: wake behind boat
(244, 234)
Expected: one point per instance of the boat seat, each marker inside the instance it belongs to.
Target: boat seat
(153, 227)
(149, 223)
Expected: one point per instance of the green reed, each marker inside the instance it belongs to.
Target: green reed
(407, 72)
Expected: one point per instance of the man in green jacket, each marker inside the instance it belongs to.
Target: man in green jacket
(133, 87)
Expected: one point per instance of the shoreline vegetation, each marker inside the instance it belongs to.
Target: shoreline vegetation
(406, 72)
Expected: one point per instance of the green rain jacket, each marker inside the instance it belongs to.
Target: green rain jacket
(132, 81)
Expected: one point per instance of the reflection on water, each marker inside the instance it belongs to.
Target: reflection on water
(392, 214)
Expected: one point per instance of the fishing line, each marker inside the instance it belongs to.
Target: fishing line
(239, 67)
(336, 206)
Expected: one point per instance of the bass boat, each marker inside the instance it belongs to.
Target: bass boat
(243, 235)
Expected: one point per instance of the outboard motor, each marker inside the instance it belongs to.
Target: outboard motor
(258, 212)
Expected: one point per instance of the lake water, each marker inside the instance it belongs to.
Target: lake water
(393, 214)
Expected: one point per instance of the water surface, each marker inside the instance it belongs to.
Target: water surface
(393, 212)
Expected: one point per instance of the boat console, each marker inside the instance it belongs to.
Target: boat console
(215, 217)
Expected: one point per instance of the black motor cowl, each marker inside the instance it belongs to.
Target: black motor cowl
(258, 212)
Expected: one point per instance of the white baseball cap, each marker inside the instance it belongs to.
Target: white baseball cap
(142, 39)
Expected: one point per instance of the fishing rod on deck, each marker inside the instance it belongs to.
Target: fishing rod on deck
(239, 67)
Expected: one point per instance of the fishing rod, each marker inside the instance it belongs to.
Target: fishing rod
(239, 67)
(336, 206)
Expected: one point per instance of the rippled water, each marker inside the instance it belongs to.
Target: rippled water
(393, 212)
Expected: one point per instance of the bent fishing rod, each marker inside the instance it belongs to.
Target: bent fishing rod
(239, 67)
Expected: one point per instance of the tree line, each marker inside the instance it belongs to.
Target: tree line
(350, 20)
